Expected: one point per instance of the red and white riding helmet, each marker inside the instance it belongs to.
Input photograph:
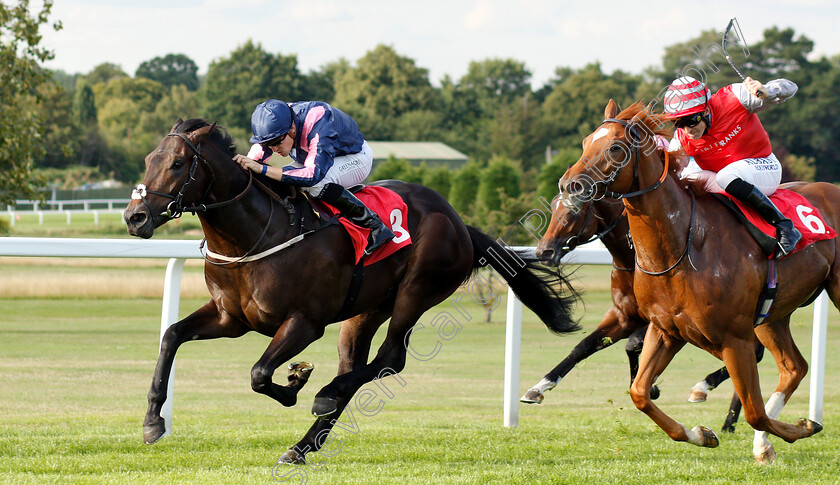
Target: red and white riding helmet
(685, 96)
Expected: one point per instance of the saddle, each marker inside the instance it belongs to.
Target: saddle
(806, 218)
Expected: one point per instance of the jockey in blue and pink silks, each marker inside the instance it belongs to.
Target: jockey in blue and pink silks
(329, 153)
(723, 134)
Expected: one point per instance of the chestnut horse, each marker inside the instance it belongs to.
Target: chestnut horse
(293, 293)
(605, 219)
(699, 273)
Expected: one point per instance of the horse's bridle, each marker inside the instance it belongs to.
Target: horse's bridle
(176, 208)
(636, 138)
(596, 236)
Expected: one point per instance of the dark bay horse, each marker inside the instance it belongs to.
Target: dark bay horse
(292, 294)
(601, 219)
(701, 273)
(606, 219)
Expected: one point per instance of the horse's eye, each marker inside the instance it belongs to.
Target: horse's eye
(177, 164)
(615, 148)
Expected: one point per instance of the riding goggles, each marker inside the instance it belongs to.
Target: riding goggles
(273, 143)
(689, 121)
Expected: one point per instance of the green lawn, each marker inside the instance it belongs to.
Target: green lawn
(74, 374)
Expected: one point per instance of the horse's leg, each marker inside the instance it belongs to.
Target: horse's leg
(735, 404)
(204, 323)
(354, 340)
(700, 391)
(294, 335)
(613, 327)
(633, 348)
(657, 352)
(732, 414)
(739, 357)
(792, 369)
(421, 289)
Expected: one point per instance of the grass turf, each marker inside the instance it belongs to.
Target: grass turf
(74, 374)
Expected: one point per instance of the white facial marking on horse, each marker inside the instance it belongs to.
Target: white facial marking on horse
(600, 134)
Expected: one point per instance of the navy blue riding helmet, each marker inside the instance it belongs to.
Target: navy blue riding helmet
(270, 120)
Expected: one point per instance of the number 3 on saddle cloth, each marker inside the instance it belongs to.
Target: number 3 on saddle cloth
(389, 207)
(806, 218)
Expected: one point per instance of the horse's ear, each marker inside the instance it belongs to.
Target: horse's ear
(199, 134)
(611, 110)
(176, 125)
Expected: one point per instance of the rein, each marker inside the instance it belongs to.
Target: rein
(175, 209)
(140, 192)
(595, 236)
(635, 137)
(687, 244)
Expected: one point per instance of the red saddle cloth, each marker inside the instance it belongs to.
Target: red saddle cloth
(798, 209)
(390, 208)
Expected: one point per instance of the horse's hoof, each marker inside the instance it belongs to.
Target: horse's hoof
(300, 371)
(292, 457)
(324, 406)
(728, 428)
(654, 392)
(533, 396)
(765, 456)
(707, 437)
(812, 426)
(154, 432)
(697, 396)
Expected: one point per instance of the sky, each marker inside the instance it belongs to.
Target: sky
(442, 36)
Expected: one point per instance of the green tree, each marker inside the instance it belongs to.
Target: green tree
(500, 176)
(550, 173)
(235, 85)
(104, 73)
(93, 150)
(399, 169)
(84, 105)
(381, 88)
(319, 85)
(464, 188)
(575, 106)
(420, 125)
(438, 179)
(60, 132)
(122, 104)
(170, 70)
(20, 76)
(495, 82)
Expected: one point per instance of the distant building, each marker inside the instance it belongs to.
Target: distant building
(417, 152)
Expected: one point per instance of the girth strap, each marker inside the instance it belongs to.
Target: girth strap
(352, 292)
(768, 295)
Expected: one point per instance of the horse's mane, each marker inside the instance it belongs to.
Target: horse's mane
(219, 136)
(656, 123)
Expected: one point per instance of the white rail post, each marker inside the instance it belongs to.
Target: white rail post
(169, 315)
(818, 356)
(513, 343)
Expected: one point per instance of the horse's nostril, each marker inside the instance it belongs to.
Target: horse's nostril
(546, 254)
(138, 218)
(574, 188)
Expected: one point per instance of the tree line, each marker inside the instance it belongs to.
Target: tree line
(102, 123)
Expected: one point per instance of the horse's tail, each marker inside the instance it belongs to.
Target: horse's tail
(543, 289)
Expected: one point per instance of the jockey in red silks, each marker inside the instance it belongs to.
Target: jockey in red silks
(329, 153)
(727, 141)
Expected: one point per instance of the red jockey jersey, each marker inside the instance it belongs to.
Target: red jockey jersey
(735, 134)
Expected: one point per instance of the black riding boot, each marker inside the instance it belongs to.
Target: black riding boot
(786, 234)
(358, 213)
